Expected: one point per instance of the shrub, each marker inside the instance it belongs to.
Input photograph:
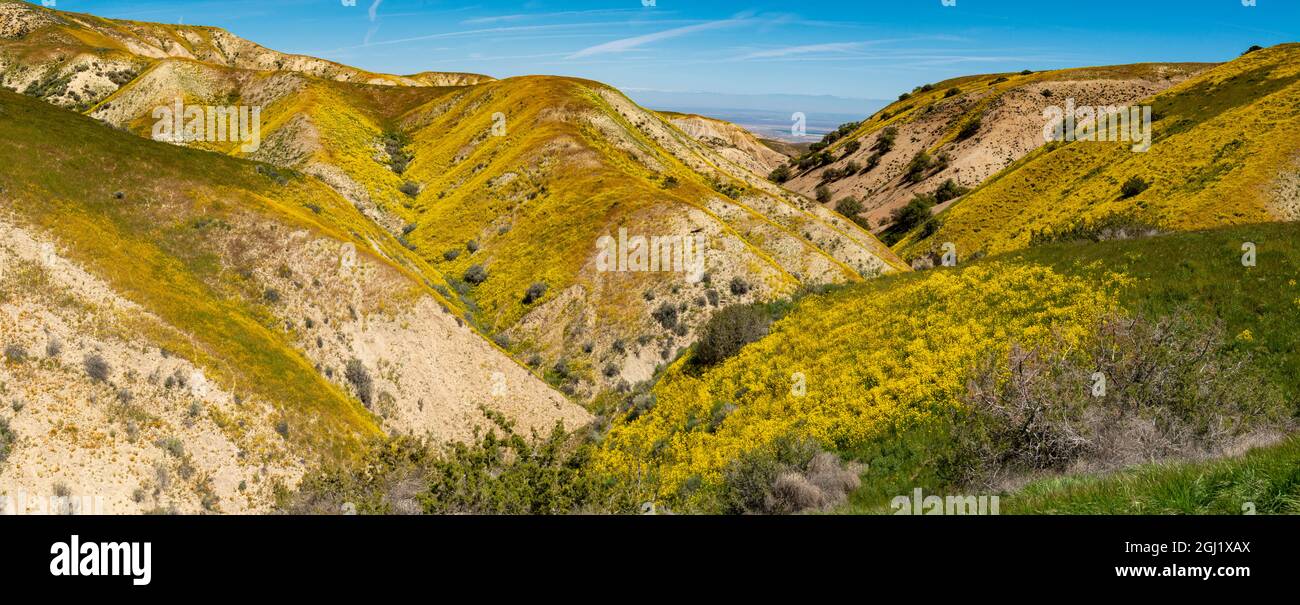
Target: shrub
(781, 174)
(15, 353)
(472, 246)
(951, 92)
(410, 188)
(356, 374)
(969, 130)
(729, 330)
(96, 368)
(1252, 49)
(7, 439)
(905, 96)
(475, 275)
(395, 144)
(1117, 226)
(1134, 186)
(789, 476)
(1173, 390)
(918, 167)
(949, 190)
(851, 148)
(535, 293)
(172, 446)
(669, 182)
(271, 295)
(666, 315)
(451, 255)
(886, 139)
(849, 206)
(909, 217)
(823, 193)
(739, 286)
(498, 472)
(53, 348)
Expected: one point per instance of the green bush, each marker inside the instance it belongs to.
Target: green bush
(497, 472)
(535, 293)
(909, 217)
(15, 353)
(1134, 186)
(949, 190)
(823, 194)
(96, 368)
(666, 315)
(969, 130)
(849, 206)
(739, 286)
(356, 374)
(7, 439)
(475, 275)
(918, 167)
(728, 331)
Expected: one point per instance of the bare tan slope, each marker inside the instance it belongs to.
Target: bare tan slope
(730, 141)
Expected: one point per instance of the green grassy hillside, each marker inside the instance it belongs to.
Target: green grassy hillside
(885, 362)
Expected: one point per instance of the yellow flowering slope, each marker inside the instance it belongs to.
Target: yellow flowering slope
(870, 355)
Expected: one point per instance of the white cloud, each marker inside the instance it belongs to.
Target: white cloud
(835, 47)
(522, 17)
(627, 44)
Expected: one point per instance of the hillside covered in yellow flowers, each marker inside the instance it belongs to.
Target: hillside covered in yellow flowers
(1224, 152)
(397, 297)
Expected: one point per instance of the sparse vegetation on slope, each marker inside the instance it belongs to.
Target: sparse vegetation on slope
(1223, 153)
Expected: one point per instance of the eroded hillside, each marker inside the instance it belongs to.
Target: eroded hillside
(967, 129)
(1225, 151)
(203, 328)
(75, 60)
(506, 187)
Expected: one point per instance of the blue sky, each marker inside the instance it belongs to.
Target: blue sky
(866, 49)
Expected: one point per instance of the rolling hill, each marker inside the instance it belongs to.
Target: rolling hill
(75, 60)
(1224, 152)
(519, 179)
(186, 330)
(971, 128)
